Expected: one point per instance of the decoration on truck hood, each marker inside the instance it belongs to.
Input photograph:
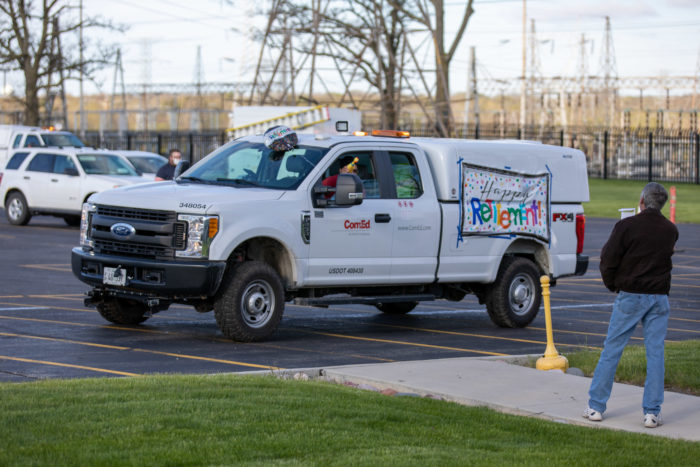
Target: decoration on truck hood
(499, 202)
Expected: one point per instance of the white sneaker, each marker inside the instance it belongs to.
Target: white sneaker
(652, 421)
(592, 414)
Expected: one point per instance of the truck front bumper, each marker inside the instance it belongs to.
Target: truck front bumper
(167, 279)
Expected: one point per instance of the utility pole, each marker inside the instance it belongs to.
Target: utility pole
(472, 93)
(122, 123)
(534, 72)
(82, 76)
(523, 77)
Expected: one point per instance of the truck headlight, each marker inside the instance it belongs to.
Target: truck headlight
(85, 224)
(201, 230)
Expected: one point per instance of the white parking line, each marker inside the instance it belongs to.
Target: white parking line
(25, 308)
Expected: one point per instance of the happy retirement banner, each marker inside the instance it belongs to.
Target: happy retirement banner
(500, 202)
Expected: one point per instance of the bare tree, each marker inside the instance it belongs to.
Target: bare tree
(364, 39)
(30, 39)
(431, 14)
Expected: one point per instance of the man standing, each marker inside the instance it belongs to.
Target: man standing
(168, 170)
(636, 263)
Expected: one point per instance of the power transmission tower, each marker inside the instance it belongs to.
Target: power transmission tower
(146, 57)
(582, 77)
(122, 122)
(608, 67)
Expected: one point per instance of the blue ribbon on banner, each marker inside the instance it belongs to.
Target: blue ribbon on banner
(461, 202)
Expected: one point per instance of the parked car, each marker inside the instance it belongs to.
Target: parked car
(145, 163)
(52, 181)
(19, 136)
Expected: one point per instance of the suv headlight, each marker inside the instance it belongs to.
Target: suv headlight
(85, 224)
(201, 230)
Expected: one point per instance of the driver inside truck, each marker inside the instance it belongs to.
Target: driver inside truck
(348, 165)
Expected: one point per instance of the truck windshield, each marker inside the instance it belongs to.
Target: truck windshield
(62, 140)
(105, 164)
(248, 164)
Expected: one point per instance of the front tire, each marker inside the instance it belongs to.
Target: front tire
(17, 210)
(396, 308)
(72, 221)
(250, 305)
(515, 297)
(122, 311)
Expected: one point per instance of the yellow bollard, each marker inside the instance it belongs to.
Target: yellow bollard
(551, 359)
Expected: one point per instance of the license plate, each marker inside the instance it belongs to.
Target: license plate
(114, 276)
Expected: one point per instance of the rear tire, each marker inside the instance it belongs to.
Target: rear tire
(251, 303)
(396, 308)
(16, 209)
(122, 311)
(515, 297)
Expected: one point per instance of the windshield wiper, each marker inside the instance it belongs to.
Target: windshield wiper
(195, 180)
(241, 181)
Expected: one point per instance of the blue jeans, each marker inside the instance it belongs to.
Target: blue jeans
(628, 310)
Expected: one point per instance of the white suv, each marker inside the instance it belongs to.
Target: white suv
(58, 181)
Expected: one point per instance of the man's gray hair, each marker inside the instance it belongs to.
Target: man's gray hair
(654, 195)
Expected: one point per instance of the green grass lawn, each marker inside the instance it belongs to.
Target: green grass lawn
(232, 419)
(607, 196)
(682, 369)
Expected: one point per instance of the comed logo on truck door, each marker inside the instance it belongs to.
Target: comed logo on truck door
(502, 202)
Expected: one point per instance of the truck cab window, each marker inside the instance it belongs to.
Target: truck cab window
(406, 176)
(17, 141)
(32, 142)
(363, 168)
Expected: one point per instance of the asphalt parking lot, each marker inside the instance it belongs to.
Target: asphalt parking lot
(46, 332)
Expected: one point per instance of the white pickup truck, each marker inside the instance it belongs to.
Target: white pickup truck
(248, 228)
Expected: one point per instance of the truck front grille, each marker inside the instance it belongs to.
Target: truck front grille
(137, 214)
(157, 233)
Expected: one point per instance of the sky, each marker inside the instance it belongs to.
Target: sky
(650, 38)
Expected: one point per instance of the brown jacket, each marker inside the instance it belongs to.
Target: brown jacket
(637, 256)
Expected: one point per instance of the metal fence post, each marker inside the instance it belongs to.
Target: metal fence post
(128, 141)
(159, 143)
(651, 152)
(605, 155)
(190, 138)
(561, 137)
(476, 131)
(697, 158)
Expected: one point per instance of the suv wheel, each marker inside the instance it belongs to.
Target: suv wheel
(514, 299)
(251, 302)
(17, 210)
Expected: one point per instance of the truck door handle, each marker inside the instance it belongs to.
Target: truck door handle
(26, 178)
(54, 180)
(382, 218)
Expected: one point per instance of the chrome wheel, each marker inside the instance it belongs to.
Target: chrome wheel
(15, 209)
(257, 303)
(521, 294)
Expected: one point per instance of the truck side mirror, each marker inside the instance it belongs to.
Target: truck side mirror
(348, 190)
(181, 167)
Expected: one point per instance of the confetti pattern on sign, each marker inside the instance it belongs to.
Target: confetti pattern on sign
(498, 202)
